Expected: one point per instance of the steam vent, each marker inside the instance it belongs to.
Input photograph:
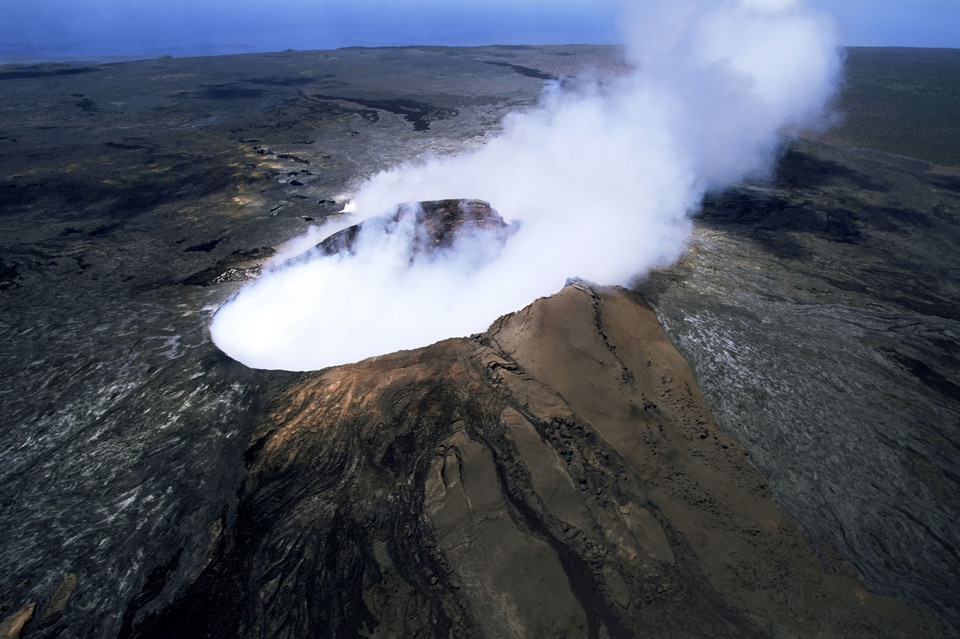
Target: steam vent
(437, 226)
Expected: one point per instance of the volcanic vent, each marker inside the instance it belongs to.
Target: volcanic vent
(432, 250)
(436, 226)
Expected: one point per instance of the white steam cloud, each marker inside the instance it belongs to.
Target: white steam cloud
(602, 180)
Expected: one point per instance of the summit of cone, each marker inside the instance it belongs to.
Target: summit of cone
(437, 224)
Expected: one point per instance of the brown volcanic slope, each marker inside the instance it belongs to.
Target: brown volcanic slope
(559, 475)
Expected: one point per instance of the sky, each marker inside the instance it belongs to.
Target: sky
(50, 28)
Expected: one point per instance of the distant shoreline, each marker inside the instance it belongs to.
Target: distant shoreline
(79, 60)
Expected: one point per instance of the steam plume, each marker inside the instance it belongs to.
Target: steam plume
(601, 178)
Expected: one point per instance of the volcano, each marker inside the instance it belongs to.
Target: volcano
(558, 474)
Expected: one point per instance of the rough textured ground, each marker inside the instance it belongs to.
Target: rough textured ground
(822, 322)
(135, 197)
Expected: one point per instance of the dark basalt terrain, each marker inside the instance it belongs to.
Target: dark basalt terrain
(150, 485)
(822, 322)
